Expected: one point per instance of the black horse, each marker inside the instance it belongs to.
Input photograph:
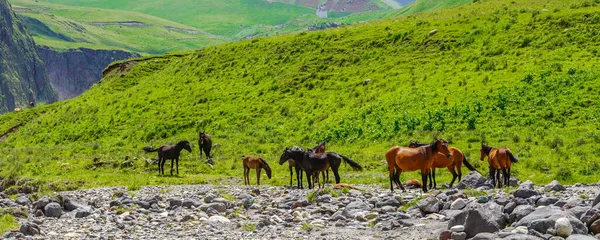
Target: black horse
(313, 163)
(293, 156)
(169, 152)
(205, 143)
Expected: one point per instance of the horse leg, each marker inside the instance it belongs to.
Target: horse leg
(177, 165)
(245, 174)
(504, 177)
(327, 173)
(451, 169)
(258, 176)
(424, 179)
(498, 178)
(172, 161)
(291, 175)
(508, 177)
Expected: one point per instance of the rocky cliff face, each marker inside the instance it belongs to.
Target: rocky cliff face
(23, 76)
(73, 71)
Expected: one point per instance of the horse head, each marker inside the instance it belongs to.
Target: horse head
(266, 167)
(201, 135)
(485, 150)
(441, 146)
(185, 145)
(284, 156)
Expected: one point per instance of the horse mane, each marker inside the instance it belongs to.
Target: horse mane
(296, 148)
(416, 144)
(434, 146)
(486, 148)
(264, 162)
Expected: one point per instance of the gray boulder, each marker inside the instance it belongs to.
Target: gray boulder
(525, 193)
(83, 211)
(546, 201)
(477, 219)
(23, 201)
(29, 229)
(555, 186)
(471, 181)
(541, 225)
(581, 237)
(429, 205)
(596, 200)
(70, 205)
(53, 210)
(485, 236)
(520, 212)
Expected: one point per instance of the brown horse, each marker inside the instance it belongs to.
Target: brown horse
(454, 164)
(205, 143)
(169, 152)
(255, 163)
(499, 159)
(411, 159)
(293, 156)
(313, 162)
(320, 148)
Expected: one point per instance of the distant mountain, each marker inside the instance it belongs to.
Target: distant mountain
(23, 77)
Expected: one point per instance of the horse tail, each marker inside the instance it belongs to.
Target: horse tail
(352, 164)
(513, 158)
(150, 149)
(467, 164)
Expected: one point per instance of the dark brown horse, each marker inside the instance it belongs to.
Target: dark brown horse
(169, 152)
(453, 164)
(205, 143)
(499, 159)
(320, 148)
(411, 159)
(293, 156)
(313, 162)
(254, 163)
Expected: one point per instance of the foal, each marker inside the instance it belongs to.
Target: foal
(255, 163)
(169, 152)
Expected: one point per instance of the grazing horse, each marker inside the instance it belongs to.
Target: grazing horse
(411, 159)
(169, 152)
(294, 157)
(205, 143)
(313, 162)
(499, 159)
(454, 164)
(255, 163)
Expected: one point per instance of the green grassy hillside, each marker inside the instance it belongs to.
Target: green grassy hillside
(64, 27)
(427, 5)
(225, 18)
(521, 74)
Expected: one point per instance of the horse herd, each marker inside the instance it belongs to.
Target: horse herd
(417, 156)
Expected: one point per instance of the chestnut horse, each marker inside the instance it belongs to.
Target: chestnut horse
(454, 164)
(313, 162)
(169, 152)
(293, 156)
(499, 159)
(411, 159)
(255, 163)
(204, 143)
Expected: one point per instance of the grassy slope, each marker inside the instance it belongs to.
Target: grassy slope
(64, 27)
(225, 18)
(427, 5)
(507, 73)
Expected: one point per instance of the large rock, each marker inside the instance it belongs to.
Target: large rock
(542, 225)
(555, 186)
(458, 204)
(53, 210)
(525, 193)
(546, 201)
(218, 219)
(520, 212)
(596, 200)
(23, 201)
(581, 237)
(471, 181)
(29, 229)
(563, 227)
(485, 236)
(83, 211)
(429, 205)
(70, 205)
(217, 206)
(477, 219)
(553, 214)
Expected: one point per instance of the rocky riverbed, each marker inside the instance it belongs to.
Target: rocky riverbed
(273, 212)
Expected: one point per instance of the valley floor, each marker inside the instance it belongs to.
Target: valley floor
(256, 212)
